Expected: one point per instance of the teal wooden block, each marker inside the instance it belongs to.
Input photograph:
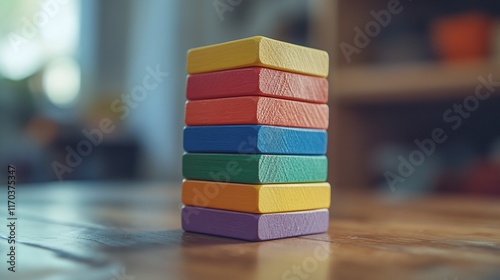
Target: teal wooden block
(254, 168)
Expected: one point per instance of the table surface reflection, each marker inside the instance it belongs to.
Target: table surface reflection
(126, 231)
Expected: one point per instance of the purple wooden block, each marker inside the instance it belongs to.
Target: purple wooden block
(254, 227)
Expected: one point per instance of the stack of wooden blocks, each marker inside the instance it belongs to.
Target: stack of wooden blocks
(255, 141)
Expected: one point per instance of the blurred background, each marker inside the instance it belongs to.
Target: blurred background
(413, 100)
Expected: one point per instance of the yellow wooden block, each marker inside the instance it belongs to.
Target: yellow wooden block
(265, 198)
(258, 51)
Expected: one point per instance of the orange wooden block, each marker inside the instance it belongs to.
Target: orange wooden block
(256, 198)
(256, 110)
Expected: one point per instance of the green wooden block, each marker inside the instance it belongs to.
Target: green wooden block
(254, 168)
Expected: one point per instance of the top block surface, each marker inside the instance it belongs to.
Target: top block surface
(258, 51)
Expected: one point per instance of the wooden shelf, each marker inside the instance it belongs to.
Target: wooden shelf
(415, 82)
(356, 85)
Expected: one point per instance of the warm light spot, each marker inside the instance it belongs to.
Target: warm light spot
(17, 65)
(61, 81)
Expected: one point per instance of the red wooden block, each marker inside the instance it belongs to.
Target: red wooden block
(256, 110)
(257, 81)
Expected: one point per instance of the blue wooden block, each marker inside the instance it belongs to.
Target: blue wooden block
(251, 139)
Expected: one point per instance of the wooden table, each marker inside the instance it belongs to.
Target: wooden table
(125, 231)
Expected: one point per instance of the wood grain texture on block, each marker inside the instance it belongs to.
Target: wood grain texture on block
(258, 51)
(251, 139)
(256, 110)
(254, 168)
(254, 227)
(252, 198)
(257, 81)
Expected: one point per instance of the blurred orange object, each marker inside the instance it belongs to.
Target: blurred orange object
(42, 129)
(463, 36)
